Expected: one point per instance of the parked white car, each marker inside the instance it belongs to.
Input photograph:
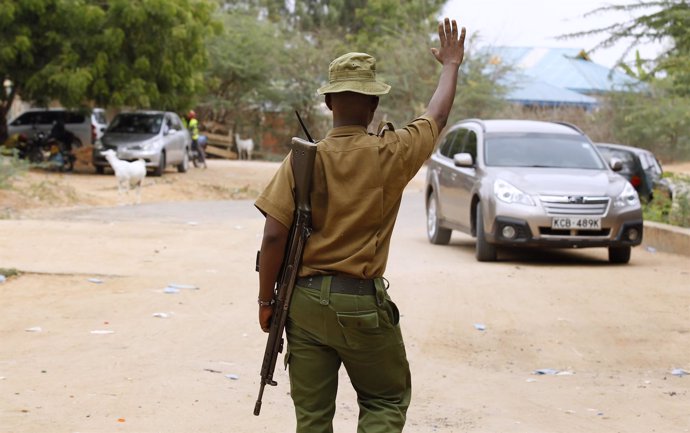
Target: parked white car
(85, 125)
(157, 137)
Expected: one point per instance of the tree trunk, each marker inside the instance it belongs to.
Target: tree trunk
(3, 124)
(5, 106)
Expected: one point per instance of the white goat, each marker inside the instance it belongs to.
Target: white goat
(129, 174)
(244, 147)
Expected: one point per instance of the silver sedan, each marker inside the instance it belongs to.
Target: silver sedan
(516, 183)
(157, 137)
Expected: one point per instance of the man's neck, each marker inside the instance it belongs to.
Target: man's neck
(337, 122)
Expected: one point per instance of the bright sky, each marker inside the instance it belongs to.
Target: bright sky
(537, 23)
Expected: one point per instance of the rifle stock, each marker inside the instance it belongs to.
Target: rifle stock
(303, 156)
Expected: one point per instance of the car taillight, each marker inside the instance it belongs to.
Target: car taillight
(636, 181)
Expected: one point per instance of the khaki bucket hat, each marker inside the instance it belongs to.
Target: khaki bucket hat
(354, 72)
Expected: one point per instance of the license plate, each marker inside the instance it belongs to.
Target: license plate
(576, 223)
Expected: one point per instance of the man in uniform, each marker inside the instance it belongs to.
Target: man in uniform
(341, 312)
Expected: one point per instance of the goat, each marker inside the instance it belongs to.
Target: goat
(244, 147)
(129, 174)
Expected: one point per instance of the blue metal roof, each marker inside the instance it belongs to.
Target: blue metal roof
(539, 93)
(557, 76)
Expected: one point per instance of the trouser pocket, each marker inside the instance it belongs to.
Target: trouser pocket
(392, 312)
(360, 329)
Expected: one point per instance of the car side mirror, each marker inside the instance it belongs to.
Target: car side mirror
(616, 164)
(170, 131)
(463, 160)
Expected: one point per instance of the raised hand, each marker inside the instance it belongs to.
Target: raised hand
(452, 49)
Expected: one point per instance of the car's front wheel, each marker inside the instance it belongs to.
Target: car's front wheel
(619, 254)
(437, 234)
(161, 165)
(484, 251)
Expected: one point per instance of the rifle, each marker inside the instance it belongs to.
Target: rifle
(303, 156)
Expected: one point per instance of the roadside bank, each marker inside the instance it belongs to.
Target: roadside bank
(666, 238)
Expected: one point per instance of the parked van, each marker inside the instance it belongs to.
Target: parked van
(86, 126)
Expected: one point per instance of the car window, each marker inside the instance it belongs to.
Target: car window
(71, 117)
(470, 144)
(447, 142)
(656, 166)
(49, 117)
(453, 143)
(168, 124)
(136, 123)
(176, 122)
(99, 117)
(541, 150)
(649, 163)
(28, 118)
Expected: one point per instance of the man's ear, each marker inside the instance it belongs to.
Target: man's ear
(328, 101)
(374, 103)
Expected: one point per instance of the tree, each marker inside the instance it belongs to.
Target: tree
(655, 21)
(660, 121)
(274, 54)
(144, 53)
(154, 53)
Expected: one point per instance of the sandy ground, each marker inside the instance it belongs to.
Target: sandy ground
(91, 341)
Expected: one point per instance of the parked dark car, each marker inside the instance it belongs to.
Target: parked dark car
(640, 167)
(514, 183)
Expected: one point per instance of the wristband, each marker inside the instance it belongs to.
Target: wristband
(266, 303)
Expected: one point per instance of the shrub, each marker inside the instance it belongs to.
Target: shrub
(674, 211)
(10, 167)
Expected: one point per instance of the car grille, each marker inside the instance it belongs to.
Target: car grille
(575, 205)
(547, 231)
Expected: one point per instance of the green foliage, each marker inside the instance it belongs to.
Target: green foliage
(658, 121)
(10, 167)
(144, 53)
(275, 54)
(242, 59)
(658, 209)
(155, 53)
(9, 272)
(659, 21)
(675, 211)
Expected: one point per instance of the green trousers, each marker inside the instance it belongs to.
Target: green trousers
(325, 330)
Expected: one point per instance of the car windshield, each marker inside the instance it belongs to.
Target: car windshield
(541, 150)
(137, 123)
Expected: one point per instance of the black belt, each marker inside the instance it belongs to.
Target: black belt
(340, 284)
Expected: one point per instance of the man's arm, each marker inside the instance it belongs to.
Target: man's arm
(450, 55)
(271, 258)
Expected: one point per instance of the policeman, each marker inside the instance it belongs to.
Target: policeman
(341, 312)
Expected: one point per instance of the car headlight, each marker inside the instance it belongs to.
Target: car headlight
(628, 197)
(150, 145)
(509, 194)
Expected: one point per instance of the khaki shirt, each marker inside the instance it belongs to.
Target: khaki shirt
(356, 192)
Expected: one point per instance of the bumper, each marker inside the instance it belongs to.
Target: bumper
(151, 158)
(618, 228)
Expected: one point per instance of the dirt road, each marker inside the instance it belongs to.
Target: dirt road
(92, 341)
